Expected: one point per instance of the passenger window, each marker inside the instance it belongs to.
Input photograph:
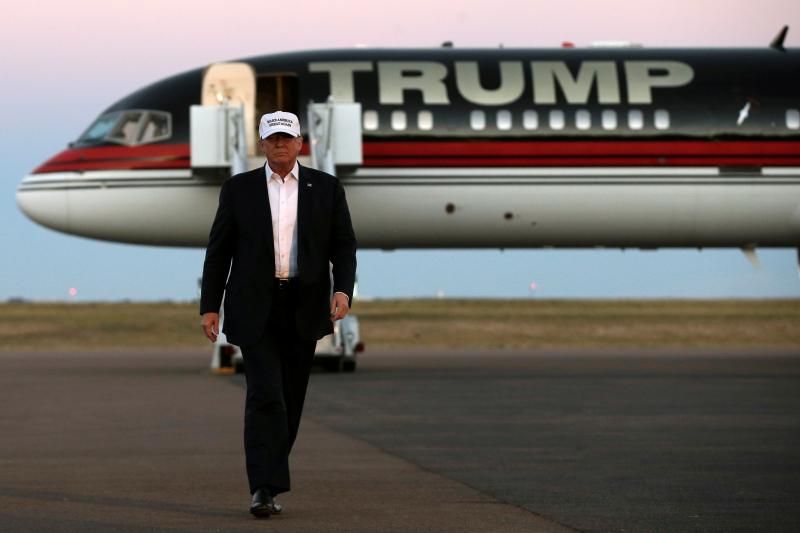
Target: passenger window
(425, 120)
(609, 119)
(556, 119)
(477, 120)
(503, 120)
(661, 119)
(583, 120)
(371, 120)
(793, 119)
(398, 120)
(635, 119)
(530, 120)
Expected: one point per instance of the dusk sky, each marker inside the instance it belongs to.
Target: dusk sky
(63, 63)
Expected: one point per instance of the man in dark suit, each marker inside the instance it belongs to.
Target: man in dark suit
(278, 229)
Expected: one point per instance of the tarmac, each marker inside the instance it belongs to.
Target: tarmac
(413, 441)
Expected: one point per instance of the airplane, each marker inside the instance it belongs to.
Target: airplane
(601, 147)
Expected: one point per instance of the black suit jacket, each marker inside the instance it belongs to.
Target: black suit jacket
(242, 233)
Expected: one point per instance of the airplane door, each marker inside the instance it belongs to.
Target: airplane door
(277, 91)
(236, 83)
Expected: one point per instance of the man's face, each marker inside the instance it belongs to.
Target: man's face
(281, 148)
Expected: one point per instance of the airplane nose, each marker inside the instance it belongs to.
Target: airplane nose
(44, 206)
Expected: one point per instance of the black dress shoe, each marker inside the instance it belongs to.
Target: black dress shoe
(264, 504)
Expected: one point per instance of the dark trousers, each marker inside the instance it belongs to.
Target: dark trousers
(277, 369)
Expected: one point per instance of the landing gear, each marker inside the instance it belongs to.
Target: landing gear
(333, 364)
(339, 364)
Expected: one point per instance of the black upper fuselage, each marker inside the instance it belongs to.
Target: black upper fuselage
(723, 82)
(495, 107)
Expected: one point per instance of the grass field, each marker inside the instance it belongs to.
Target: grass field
(433, 323)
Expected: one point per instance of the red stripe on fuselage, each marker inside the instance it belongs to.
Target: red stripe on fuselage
(122, 152)
(580, 153)
(468, 148)
(424, 162)
(151, 156)
(119, 158)
(113, 165)
(471, 153)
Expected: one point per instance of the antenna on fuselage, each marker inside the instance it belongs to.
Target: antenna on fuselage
(777, 42)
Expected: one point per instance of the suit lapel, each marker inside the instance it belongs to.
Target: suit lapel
(304, 192)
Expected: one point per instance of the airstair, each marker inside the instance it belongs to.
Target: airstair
(334, 131)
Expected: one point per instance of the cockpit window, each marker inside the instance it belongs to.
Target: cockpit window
(130, 128)
(156, 127)
(100, 128)
(126, 128)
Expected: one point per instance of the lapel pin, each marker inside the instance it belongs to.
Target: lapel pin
(308, 185)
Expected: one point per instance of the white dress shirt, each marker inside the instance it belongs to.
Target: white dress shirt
(283, 205)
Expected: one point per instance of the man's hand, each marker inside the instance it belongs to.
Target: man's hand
(210, 325)
(340, 306)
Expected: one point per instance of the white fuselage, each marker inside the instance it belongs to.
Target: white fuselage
(454, 207)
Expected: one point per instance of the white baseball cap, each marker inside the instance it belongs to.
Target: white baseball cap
(279, 121)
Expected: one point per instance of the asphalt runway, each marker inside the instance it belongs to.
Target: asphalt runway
(597, 441)
(412, 442)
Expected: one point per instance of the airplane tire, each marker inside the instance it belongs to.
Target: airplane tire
(334, 365)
